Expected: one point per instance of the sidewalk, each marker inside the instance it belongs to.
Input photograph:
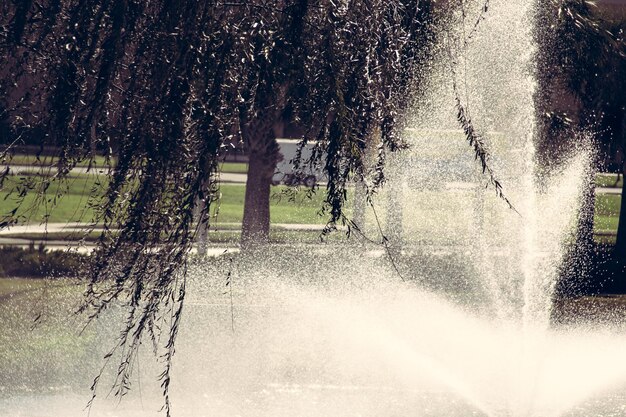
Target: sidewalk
(227, 177)
(609, 190)
(81, 227)
(10, 236)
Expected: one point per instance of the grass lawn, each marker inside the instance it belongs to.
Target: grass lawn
(228, 210)
(10, 287)
(609, 180)
(40, 347)
(234, 167)
(606, 223)
(608, 204)
(69, 208)
(606, 217)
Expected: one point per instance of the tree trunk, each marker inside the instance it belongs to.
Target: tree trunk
(359, 206)
(585, 241)
(394, 230)
(256, 214)
(202, 237)
(620, 243)
(576, 272)
(264, 153)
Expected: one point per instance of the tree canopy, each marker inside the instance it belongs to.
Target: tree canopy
(166, 86)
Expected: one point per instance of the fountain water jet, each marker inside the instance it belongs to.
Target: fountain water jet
(333, 331)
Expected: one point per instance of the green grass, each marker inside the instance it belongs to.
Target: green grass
(70, 235)
(234, 167)
(10, 287)
(33, 208)
(609, 180)
(606, 217)
(305, 210)
(606, 220)
(71, 207)
(40, 347)
(606, 223)
(608, 204)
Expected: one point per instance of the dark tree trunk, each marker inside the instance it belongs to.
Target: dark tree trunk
(585, 241)
(619, 131)
(358, 215)
(202, 236)
(256, 214)
(395, 213)
(263, 153)
(620, 243)
(577, 271)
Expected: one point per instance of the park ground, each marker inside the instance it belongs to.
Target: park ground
(295, 217)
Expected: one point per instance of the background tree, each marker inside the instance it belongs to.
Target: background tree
(580, 69)
(336, 72)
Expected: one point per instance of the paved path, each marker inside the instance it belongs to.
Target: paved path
(79, 227)
(233, 178)
(88, 247)
(50, 170)
(609, 190)
(10, 236)
(29, 169)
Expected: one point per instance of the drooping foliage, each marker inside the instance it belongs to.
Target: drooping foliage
(162, 88)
